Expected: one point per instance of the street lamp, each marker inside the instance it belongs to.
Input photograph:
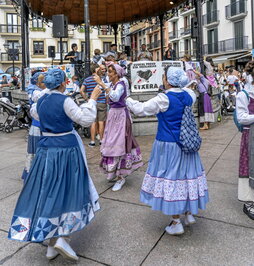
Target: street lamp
(12, 53)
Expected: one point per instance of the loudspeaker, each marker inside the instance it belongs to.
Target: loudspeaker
(127, 50)
(52, 51)
(60, 26)
(194, 28)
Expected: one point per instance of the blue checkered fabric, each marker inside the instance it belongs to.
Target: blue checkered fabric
(190, 140)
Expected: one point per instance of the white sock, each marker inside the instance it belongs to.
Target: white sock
(177, 220)
(92, 142)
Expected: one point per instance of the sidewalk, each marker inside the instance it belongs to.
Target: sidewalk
(124, 231)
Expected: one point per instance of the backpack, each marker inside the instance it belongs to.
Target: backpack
(190, 140)
(238, 125)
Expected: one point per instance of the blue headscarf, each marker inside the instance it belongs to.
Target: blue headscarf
(54, 78)
(34, 78)
(177, 77)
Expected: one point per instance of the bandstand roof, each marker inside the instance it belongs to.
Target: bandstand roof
(102, 12)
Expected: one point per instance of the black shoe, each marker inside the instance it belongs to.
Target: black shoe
(249, 210)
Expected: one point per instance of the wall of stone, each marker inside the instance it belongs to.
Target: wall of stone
(142, 126)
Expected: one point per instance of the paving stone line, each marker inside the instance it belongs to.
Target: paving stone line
(222, 153)
(10, 256)
(143, 261)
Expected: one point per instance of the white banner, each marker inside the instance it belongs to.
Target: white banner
(68, 69)
(147, 75)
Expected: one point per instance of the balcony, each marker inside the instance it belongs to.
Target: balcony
(5, 3)
(237, 10)
(10, 29)
(186, 11)
(5, 58)
(106, 32)
(173, 35)
(150, 46)
(192, 53)
(229, 45)
(211, 19)
(173, 17)
(186, 31)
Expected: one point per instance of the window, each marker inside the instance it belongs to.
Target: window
(212, 36)
(158, 56)
(37, 23)
(12, 23)
(65, 47)
(106, 46)
(12, 46)
(186, 46)
(38, 48)
(239, 39)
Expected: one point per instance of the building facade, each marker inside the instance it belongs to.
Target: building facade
(228, 32)
(180, 31)
(40, 38)
(150, 35)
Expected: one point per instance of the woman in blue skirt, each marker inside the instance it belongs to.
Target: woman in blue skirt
(58, 197)
(35, 90)
(175, 182)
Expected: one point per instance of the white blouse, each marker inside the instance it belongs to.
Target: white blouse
(159, 103)
(84, 115)
(116, 94)
(37, 94)
(242, 110)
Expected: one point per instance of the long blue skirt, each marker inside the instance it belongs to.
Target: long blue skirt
(32, 143)
(58, 197)
(175, 182)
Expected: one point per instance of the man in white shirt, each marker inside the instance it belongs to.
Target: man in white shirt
(144, 55)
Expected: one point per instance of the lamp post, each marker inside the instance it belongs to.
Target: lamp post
(199, 39)
(12, 53)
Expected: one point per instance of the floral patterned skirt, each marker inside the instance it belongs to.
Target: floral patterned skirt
(175, 182)
(121, 154)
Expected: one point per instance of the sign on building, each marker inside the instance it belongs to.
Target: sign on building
(68, 69)
(147, 76)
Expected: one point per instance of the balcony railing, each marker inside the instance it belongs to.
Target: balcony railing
(105, 32)
(185, 30)
(5, 2)
(229, 45)
(9, 28)
(192, 53)
(211, 17)
(235, 9)
(6, 57)
(173, 34)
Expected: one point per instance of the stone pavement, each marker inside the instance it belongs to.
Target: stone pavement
(124, 231)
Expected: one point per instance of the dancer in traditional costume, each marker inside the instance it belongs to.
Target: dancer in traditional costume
(120, 152)
(189, 68)
(58, 197)
(205, 108)
(245, 116)
(209, 71)
(175, 181)
(35, 90)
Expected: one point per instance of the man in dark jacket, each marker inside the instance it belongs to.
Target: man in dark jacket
(170, 54)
